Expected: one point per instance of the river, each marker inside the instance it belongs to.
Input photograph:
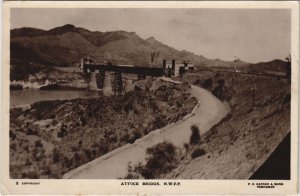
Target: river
(29, 96)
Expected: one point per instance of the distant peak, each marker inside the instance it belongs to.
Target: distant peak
(68, 26)
(151, 39)
(63, 29)
(133, 33)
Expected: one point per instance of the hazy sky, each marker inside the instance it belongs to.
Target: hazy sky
(253, 35)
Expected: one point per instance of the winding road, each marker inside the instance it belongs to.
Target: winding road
(113, 165)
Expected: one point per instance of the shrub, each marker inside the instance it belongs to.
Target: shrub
(195, 137)
(221, 82)
(12, 135)
(13, 146)
(88, 154)
(186, 146)
(68, 162)
(178, 104)
(38, 143)
(47, 171)
(159, 122)
(162, 158)
(56, 155)
(76, 158)
(207, 84)
(219, 92)
(62, 132)
(83, 120)
(103, 148)
(132, 171)
(135, 135)
(30, 132)
(198, 152)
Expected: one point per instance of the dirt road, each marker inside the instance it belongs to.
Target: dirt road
(207, 112)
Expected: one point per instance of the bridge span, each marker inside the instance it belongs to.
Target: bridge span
(146, 71)
(97, 73)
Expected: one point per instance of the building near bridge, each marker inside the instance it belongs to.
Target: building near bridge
(174, 68)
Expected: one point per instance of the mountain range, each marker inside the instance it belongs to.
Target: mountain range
(65, 45)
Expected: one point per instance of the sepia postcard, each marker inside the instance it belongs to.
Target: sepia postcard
(154, 97)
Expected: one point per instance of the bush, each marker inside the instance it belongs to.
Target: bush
(56, 155)
(13, 146)
(88, 154)
(221, 82)
(103, 148)
(198, 152)
(38, 143)
(30, 132)
(62, 132)
(207, 84)
(159, 122)
(186, 146)
(132, 171)
(195, 137)
(12, 135)
(136, 135)
(76, 158)
(162, 158)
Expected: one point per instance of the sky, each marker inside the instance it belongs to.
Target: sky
(253, 35)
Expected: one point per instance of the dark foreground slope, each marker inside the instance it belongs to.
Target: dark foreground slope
(278, 165)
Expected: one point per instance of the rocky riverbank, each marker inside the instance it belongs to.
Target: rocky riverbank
(51, 79)
(52, 137)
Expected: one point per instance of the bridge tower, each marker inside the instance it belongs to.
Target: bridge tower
(117, 83)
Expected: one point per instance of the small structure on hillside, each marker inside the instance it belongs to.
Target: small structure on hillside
(173, 68)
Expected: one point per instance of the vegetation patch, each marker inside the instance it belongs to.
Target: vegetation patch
(161, 159)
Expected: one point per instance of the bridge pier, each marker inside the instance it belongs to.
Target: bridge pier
(117, 83)
(93, 85)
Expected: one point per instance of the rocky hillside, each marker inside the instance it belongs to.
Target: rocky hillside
(238, 146)
(65, 45)
(272, 67)
(53, 137)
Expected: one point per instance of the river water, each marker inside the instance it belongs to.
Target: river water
(29, 96)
